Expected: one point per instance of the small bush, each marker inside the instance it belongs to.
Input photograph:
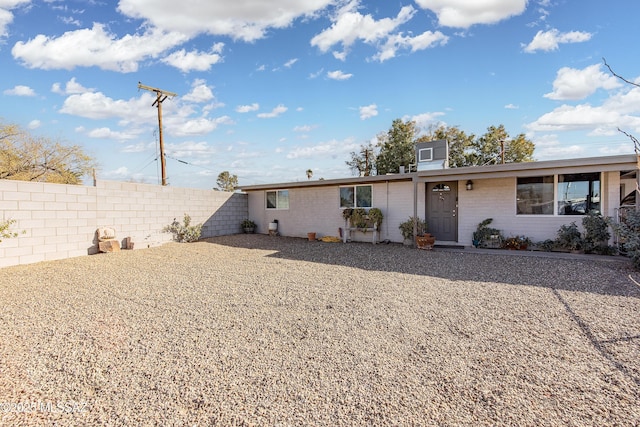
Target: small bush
(184, 232)
(569, 238)
(596, 234)
(628, 233)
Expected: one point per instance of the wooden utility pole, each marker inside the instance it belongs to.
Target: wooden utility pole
(161, 95)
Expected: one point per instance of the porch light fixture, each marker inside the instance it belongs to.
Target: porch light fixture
(469, 185)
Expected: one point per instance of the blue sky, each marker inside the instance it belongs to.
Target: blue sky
(267, 90)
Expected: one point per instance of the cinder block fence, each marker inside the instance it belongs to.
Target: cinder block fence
(60, 221)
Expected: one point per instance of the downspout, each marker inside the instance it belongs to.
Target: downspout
(415, 206)
(386, 217)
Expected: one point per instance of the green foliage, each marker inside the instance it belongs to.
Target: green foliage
(628, 232)
(596, 234)
(397, 147)
(25, 157)
(5, 233)
(485, 234)
(227, 182)
(359, 218)
(376, 217)
(406, 228)
(184, 232)
(467, 150)
(569, 237)
(247, 223)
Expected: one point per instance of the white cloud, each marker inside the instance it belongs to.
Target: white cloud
(6, 17)
(571, 83)
(598, 120)
(423, 41)
(274, 113)
(71, 87)
(246, 20)
(511, 107)
(304, 128)
(247, 108)
(94, 47)
(178, 126)
(332, 149)
(106, 133)
(463, 14)
(368, 111)
(34, 124)
(20, 90)
(290, 62)
(316, 74)
(350, 26)
(425, 119)
(96, 105)
(549, 40)
(338, 75)
(194, 60)
(190, 149)
(199, 93)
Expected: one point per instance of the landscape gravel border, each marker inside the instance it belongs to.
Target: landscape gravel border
(260, 330)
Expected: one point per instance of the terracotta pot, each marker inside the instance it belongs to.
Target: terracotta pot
(425, 242)
(311, 237)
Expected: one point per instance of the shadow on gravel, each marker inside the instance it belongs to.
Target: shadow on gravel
(582, 275)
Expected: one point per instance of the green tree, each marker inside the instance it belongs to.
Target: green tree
(362, 163)
(25, 157)
(469, 150)
(227, 182)
(488, 149)
(397, 147)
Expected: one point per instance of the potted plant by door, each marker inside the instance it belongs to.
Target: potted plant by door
(248, 226)
(426, 241)
(406, 228)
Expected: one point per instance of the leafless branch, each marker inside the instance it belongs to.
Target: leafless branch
(620, 77)
(636, 143)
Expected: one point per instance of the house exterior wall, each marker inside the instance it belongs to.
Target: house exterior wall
(60, 221)
(496, 198)
(317, 209)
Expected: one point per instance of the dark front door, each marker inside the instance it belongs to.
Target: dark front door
(442, 210)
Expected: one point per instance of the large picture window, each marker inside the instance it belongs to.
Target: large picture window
(278, 199)
(534, 195)
(572, 194)
(578, 193)
(356, 196)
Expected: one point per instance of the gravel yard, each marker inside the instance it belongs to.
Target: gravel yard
(256, 330)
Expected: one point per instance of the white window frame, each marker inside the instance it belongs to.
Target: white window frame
(422, 158)
(355, 196)
(278, 198)
(556, 198)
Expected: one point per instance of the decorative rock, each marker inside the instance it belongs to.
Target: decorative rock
(106, 233)
(109, 246)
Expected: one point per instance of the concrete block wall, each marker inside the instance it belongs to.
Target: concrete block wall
(60, 221)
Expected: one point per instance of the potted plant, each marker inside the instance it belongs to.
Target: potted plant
(406, 228)
(487, 237)
(517, 243)
(376, 217)
(359, 218)
(248, 226)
